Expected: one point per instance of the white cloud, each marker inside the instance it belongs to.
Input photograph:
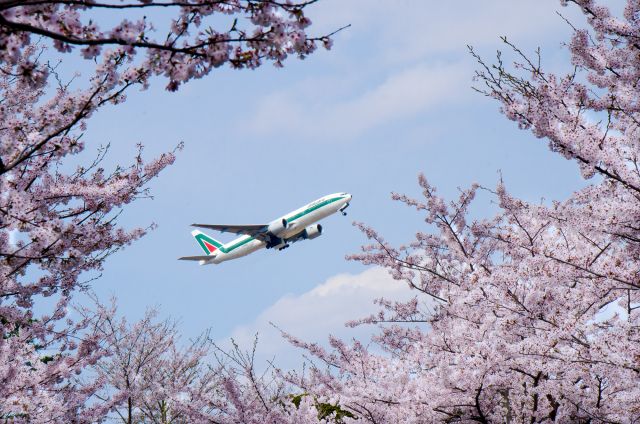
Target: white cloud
(397, 62)
(405, 30)
(313, 315)
(328, 112)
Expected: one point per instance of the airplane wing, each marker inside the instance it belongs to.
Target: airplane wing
(249, 230)
(197, 258)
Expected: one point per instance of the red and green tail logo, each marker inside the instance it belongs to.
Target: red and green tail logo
(208, 244)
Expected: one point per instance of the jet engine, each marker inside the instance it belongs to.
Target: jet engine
(312, 232)
(277, 227)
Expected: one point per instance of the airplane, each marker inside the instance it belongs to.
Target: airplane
(277, 234)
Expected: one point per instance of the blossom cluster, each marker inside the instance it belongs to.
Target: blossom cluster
(56, 229)
(532, 315)
(57, 224)
(190, 46)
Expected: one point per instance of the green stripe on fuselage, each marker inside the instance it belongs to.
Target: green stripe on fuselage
(289, 220)
(313, 208)
(238, 244)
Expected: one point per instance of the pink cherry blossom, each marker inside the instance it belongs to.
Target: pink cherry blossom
(58, 227)
(531, 315)
(190, 47)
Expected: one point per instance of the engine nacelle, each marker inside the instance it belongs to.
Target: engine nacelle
(277, 227)
(312, 232)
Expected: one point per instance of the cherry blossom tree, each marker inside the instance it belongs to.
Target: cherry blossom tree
(57, 226)
(153, 377)
(531, 315)
(184, 47)
(149, 377)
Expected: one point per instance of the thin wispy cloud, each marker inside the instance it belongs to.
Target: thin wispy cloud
(406, 30)
(346, 116)
(408, 64)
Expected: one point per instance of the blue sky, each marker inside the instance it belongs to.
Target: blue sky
(391, 99)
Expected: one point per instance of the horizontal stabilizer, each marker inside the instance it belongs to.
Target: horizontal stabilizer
(197, 258)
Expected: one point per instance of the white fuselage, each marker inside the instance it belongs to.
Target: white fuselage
(297, 221)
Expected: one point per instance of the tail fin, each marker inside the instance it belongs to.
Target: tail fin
(208, 244)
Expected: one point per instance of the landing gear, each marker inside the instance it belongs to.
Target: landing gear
(275, 243)
(346, 205)
(283, 247)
